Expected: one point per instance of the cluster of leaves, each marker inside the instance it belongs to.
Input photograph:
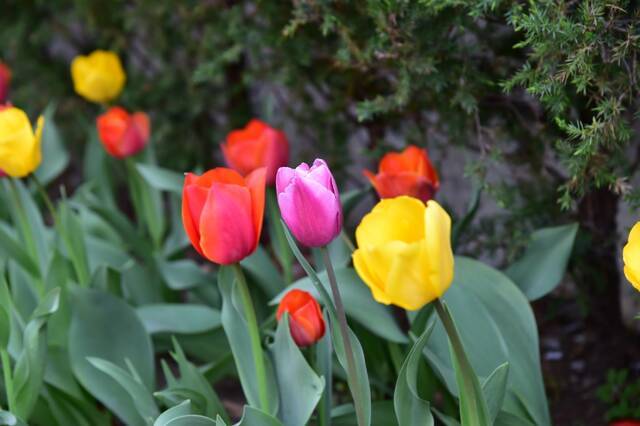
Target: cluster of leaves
(621, 395)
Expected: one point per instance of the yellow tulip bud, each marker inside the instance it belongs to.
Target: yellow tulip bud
(98, 77)
(631, 257)
(404, 252)
(19, 146)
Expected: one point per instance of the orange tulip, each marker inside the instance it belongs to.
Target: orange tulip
(5, 79)
(121, 133)
(306, 322)
(222, 213)
(257, 145)
(409, 172)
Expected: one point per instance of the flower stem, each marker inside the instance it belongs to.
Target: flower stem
(8, 379)
(254, 333)
(346, 338)
(45, 197)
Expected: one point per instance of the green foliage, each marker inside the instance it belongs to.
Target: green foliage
(621, 395)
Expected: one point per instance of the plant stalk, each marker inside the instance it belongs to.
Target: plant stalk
(346, 340)
(254, 333)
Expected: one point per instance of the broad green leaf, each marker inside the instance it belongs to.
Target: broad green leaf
(236, 328)
(299, 386)
(410, 408)
(5, 328)
(184, 274)
(500, 328)
(191, 420)
(544, 262)
(382, 414)
(178, 318)
(147, 202)
(182, 409)
(161, 179)
(140, 395)
(255, 417)
(11, 249)
(262, 271)
(106, 327)
(8, 419)
(358, 303)
(494, 389)
(55, 155)
(324, 366)
(70, 229)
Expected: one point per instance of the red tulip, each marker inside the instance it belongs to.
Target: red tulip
(626, 422)
(257, 145)
(409, 172)
(5, 79)
(306, 322)
(222, 213)
(121, 133)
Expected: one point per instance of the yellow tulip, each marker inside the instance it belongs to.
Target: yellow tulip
(19, 145)
(631, 257)
(98, 77)
(404, 252)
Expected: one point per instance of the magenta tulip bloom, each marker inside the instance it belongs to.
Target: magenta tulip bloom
(309, 202)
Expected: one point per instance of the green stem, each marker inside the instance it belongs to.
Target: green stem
(254, 334)
(8, 379)
(352, 376)
(45, 197)
(321, 356)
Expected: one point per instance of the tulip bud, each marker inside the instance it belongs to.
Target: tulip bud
(404, 252)
(409, 172)
(309, 202)
(631, 257)
(98, 77)
(306, 322)
(255, 146)
(5, 79)
(121, 133)
(19, 145)
(222, 213)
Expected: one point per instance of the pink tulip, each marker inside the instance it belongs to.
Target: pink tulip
(309, 202)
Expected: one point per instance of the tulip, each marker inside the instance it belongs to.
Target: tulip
(19, 144)
(409, 172)
(631, 257)
(98, 77)
(310, 203)
(222, 213)
(5, 79)
(404, 252)
(306, 322)
(121, 133)
(257, 145)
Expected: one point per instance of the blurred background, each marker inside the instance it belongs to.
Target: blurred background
(531, 105)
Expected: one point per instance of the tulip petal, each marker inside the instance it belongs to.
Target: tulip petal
(631, 256)
(396, 219)
(255, 181)
(374, 277)
(283, 178)
(194, 198)
(438, 256)
(227, 232)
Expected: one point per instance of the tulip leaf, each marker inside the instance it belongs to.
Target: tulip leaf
(183, 274)
(70, 228)
(178, 318)
(382, 415)
(358, 302)
(410, 408)
(160, 178)
(251, 416)
(362, 395)
(140, 395)
(11, 249)
(500, 328)
(9, 419)
(324, 365)
(236, 328)
(182, 409)
(262, 271)
(106, 327)
(299, 386)
(191, 420)
(544, 262)
(494, 390)
(53, 151)
(147, 202)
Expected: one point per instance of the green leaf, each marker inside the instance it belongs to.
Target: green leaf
(382, 414)
(178, 318)
(8, 419)
(461, 225)
(182, 409)
(410, 408)
(191, 420)
(55, 155)
(500, 328)
(544, 262)
(11, 249)
(147, 202)
(494, 390)
(5, 328)
(140, 395)
(106, 327)
(473, 406)
(255, 417)
(358, 303)
(236, 328)
(184, 274)
(262, 271)
(70, 228)
(299, 386)
(161, 179)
